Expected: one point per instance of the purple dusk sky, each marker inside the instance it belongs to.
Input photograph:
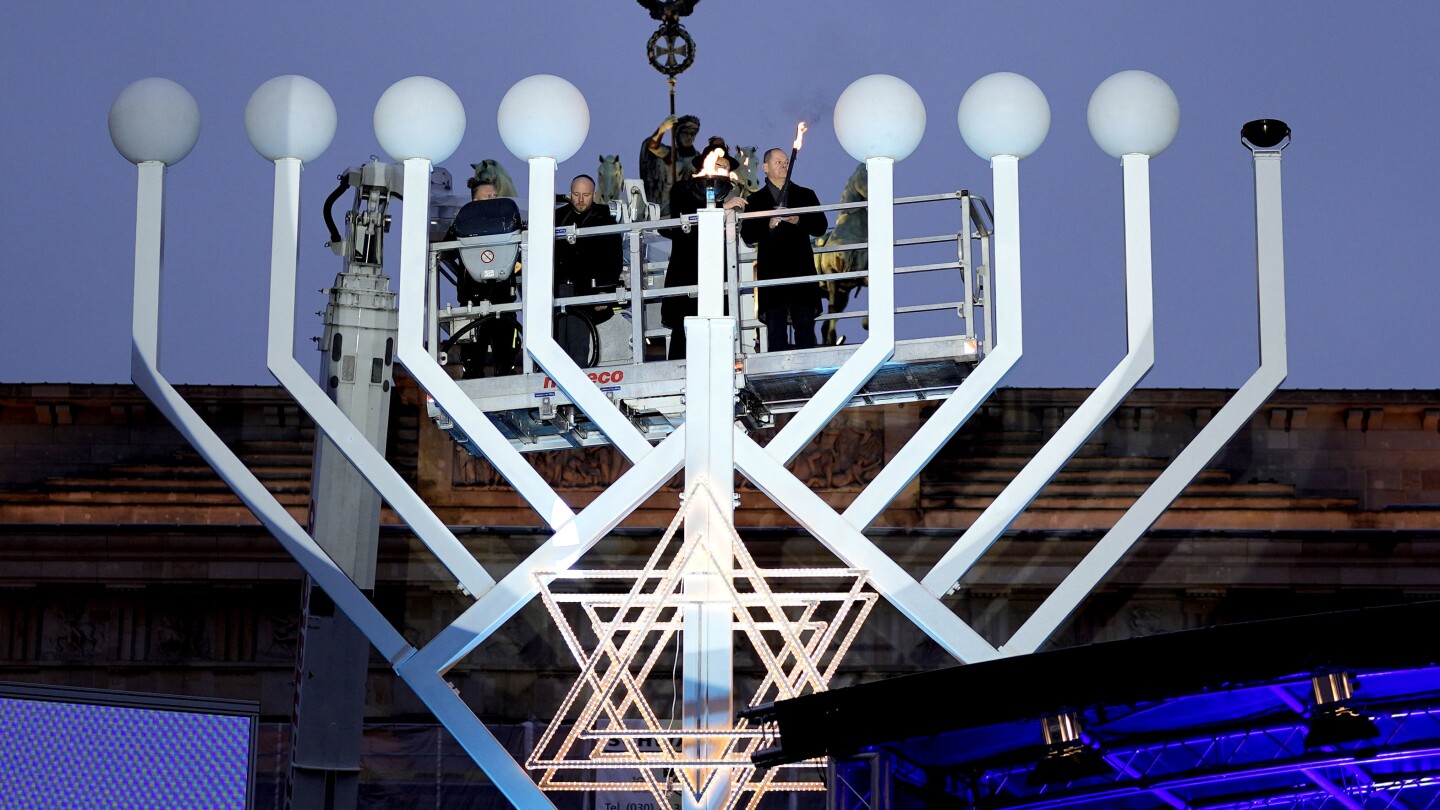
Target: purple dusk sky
(1358, 82)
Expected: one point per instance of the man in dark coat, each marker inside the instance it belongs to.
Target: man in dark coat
(590, 266)
(687, 197)
(593, 263)
(782, 250)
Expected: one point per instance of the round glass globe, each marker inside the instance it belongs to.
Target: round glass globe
(543, 116)
(290, 117)
(1133, 112)
(879, 116)
(154, 119)
(1004, 114)
(419, 117)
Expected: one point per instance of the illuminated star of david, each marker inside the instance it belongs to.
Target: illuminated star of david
(800, 637)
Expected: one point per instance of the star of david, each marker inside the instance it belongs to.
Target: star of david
(607, 722)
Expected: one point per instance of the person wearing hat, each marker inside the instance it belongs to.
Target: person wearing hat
(782, 250)
(687, 197)
(497, 335)
(655, 158)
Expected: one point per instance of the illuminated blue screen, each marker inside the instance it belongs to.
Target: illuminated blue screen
(73, 755)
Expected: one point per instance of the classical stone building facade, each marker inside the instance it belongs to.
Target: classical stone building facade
(125, 563)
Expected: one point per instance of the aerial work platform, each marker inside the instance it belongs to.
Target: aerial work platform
(535, 414)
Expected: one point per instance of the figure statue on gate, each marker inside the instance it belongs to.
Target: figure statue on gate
(655, 158)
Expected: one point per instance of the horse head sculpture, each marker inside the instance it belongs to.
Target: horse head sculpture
(609, 179)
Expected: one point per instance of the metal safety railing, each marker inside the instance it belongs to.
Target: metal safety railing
(641, 288)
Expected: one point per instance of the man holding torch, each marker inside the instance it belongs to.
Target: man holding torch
(782, 250)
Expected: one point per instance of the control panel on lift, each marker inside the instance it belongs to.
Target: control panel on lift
(614, 331)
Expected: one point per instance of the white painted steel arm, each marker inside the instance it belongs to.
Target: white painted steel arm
(707, 640)
(284, 252)
(477, 740)
(145, 371)
(1270, 272)
(503, 769)
(1140, 335)
(538, 304)
(710, 263)
(558, 553)
(410, 350)
(879, 346)
(855, 549)
(977, 387)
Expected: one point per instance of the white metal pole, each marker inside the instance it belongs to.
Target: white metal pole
(893, 582)
(482, 746)
(503, 770)
(710, 271)
(981, 382)
(149, 260)
(1270, 273)
(145, 371)
(1270, 261)
(284, 251)
(1097, 407)
(538, 305)
(410, 350)
(879, 346)
(570, 541)
(635, 250)
(707, 637)
(425, 670)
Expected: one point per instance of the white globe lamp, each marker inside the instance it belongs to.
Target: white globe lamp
(543, 116)
(290, 117)
(1004, 114)
(1133, 112)
(879, 116)
(419, 117)
(154, 120)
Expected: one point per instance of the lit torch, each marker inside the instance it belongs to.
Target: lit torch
(710, 174)
(711, 166)
(790, 168)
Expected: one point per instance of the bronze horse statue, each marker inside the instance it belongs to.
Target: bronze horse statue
(490, 171)
(609, 179)
(851, 227)
(748, 172)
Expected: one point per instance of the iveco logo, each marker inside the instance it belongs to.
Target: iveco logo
(601, 377)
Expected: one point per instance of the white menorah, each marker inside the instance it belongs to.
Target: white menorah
(543, 119)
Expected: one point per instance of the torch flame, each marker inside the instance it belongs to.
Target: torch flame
(799, 135)
(711, 167)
